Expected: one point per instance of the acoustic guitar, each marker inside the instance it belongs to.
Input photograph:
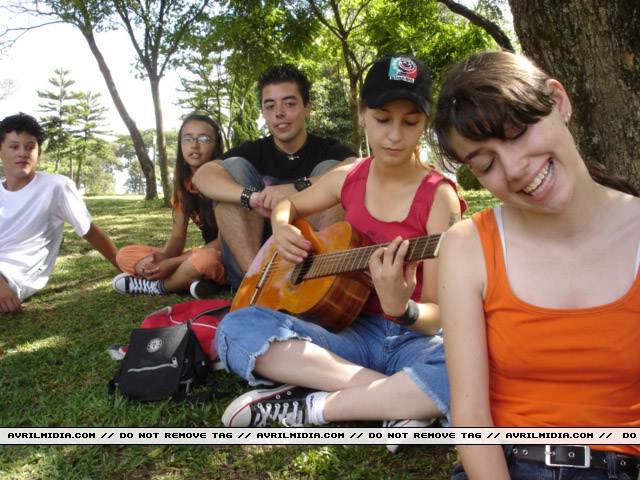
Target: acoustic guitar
(330, 286)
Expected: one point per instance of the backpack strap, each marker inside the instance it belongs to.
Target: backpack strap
(224, 309)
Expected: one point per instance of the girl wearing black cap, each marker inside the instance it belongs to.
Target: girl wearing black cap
(389, 363)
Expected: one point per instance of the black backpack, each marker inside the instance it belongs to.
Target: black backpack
(167, 362)
(161, 363)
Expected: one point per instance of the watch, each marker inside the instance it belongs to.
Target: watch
(301, 184)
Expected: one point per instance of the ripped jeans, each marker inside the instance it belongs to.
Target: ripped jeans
(371, 341)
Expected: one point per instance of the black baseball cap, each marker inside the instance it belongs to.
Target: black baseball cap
(398, 77)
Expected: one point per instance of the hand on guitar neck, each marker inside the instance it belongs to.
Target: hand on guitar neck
(329, 286)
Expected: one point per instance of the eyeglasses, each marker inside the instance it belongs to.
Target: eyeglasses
(202, 140)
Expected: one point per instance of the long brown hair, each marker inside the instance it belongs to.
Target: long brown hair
(492, 93)
(183, 172)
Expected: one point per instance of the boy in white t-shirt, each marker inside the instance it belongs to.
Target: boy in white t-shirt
(33, 209)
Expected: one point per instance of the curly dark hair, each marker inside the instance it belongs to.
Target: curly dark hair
(21, 123)
(285, 73)
(183, 171)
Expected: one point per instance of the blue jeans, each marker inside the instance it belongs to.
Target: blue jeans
(528, 470)
(246, 174)
(371, 341)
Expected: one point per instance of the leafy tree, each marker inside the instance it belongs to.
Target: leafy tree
(227, 55)
(364, 30)
(492, 9)
(157, 31)
(331, 114)
(60, 119)
(88, 16)
(91, 151)
(123, 148)
(230, 100)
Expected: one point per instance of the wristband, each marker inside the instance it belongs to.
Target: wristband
(409, 317)
(245, 196)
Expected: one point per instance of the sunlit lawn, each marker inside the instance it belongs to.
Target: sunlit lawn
(54, 372)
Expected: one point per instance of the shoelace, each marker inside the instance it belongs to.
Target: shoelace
(142, 285)
(288, 418)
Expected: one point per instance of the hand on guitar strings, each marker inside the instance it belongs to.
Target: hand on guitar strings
(290, 243)
(394, 285)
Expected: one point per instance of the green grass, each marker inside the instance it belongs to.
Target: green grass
(54, 372)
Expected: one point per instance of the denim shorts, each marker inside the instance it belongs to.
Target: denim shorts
(246, 174)
(371, 341)
(528, 470)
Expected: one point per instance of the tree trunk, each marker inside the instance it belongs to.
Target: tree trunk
(78, 170)
(161, 141)
(141, 152)
(593, 48)
(355, 121)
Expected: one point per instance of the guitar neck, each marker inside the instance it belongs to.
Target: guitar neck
(356, 259)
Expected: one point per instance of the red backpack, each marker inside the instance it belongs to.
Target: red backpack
(205, 315)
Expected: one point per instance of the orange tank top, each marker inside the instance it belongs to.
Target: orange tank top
(559, 368)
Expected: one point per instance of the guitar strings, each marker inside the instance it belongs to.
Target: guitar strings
(360, 256)
(325, 264)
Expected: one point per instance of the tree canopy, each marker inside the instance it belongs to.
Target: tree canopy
(220, 47)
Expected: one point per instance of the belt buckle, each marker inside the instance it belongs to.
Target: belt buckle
(550, 452)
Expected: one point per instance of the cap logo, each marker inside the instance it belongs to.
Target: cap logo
(402, 68)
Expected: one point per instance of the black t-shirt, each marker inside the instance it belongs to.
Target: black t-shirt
(273, 163)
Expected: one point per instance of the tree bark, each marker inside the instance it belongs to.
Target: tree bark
(593, 48)
(161, 141)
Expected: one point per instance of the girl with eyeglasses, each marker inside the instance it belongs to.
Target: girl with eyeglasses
(155, 271)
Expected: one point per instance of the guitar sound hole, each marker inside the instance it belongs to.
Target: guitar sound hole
(300, 270)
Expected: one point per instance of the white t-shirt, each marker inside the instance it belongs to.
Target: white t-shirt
(31, 227)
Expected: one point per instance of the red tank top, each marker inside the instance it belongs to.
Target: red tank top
(414, 225)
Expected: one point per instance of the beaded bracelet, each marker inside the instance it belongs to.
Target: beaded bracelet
(245, 196)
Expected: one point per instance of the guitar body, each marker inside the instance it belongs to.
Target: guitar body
(332, 301)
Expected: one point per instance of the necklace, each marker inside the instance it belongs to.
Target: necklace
(291, 156)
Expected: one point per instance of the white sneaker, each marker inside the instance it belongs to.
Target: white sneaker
(256, 408)
(408, 423)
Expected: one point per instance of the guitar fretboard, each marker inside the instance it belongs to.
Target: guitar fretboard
(356, 259)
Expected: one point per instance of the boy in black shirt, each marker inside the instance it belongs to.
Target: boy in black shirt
(248, 180)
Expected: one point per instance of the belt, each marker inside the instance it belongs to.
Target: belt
(576, 456)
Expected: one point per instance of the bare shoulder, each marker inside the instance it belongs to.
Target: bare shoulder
(626, 213)
(445, 210)
(462, 235)
(446, 192)
(461, 248)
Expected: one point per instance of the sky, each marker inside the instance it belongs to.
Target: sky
(31, 62)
